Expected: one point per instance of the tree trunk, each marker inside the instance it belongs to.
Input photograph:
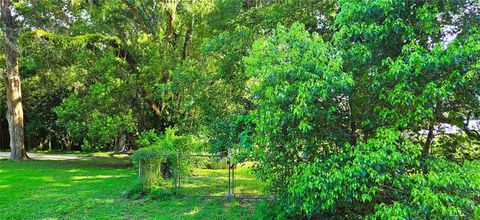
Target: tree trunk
(13, 86)
(120, 142)
(188, 37)
(353, 123)
(426, 149)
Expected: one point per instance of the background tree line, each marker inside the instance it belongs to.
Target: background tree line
(97, 72)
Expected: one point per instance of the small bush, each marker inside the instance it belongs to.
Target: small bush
(147, 138)
(457, 147)
(134, 191)
(164, 155)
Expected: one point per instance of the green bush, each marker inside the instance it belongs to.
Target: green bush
(97, 119)
(294, 74)
(353, 181)
(165, 154)
(449, 191)
(382, 179)
(457, 147)
(314, 101)
(147, 138)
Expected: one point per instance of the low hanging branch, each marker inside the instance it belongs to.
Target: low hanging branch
(471, 133)
(463, 126)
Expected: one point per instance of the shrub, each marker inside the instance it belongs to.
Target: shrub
(457, 147)
(294, 75)
(147, 138)
(314, 100)
(353, 181)
(96, 120)
(449, 191)
(165, 154)
(382, 179)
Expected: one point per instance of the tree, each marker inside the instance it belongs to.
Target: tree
(13, 85)
(298, 91)
(329, 114)
(96, 46)
(414, 67)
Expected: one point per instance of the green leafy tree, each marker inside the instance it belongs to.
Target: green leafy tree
(298, 88)
(388, 65)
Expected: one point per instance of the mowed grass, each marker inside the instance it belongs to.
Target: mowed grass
(215, 183)
(93, 188)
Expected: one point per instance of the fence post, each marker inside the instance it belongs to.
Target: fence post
(140, 172)
(175, 175)
(175, 178)
(140, 169)
(231, 178)
(178, 170)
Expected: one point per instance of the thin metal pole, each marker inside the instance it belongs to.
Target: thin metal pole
(229, 171)
(175, 177)
(140, 169)
(233, 180)
(178, 176)
(140, 176)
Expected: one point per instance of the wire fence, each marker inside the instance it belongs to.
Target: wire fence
(211, 176)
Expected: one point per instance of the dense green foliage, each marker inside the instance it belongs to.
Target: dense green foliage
(165, 156)
(338, 103)
(384, 176)
(386, 76)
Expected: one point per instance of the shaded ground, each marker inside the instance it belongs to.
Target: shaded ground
(81, 187)
(68, 156)
(42, 156)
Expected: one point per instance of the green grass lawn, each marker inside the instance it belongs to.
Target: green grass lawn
(214, 182)
(92, 188)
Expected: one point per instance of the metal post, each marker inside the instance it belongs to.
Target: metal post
(233, 180)
(140, 176)
(176, 179)
(231, 185)
(228, 164)
(176, 164)
(140, 169)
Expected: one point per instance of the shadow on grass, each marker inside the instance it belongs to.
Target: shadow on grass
(214, 183)
(91, 188)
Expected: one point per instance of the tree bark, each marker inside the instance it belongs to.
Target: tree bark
(120, 142)
(426, 149)
(13, 86)
(169, 34)
(470, 133)
(353, 123)
(188, 37)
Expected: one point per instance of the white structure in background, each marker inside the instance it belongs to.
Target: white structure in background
(453, 129)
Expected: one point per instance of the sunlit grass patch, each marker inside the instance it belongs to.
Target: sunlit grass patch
(92, 188)
(214, 182)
